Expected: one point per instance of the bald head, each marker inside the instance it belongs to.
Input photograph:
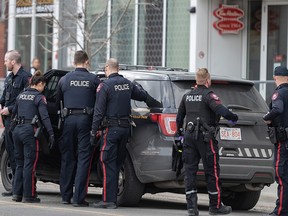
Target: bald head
(112, 66)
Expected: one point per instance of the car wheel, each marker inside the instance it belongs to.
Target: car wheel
(6, 172)
(242, 200)
(130, 189)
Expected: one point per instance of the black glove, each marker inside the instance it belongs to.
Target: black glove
(92, 138)
(235, 119)
(152, 102)
(51, 141)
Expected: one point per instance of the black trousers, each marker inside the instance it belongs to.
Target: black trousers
(76, 157)
(26, 156)
(193, 151)
(112, 157)
(9, 144)
(281, 176)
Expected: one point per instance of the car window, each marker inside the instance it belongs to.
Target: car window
(243, 97)
(50, 90)
(159, 90)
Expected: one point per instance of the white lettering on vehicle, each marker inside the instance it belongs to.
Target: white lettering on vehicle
(194, 98)
(121, 87)
(79, 83)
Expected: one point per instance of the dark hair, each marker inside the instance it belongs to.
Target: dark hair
(37, 78)
(80, 57)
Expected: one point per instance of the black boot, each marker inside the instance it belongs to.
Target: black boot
(192, 204)
(223, 210)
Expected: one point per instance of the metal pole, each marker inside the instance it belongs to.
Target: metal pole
(33, 31)
(11, 24)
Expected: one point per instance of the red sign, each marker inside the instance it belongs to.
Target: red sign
(229, 19)
(228, 26)
(229, 12)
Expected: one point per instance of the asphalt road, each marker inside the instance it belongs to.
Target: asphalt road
(163, 204)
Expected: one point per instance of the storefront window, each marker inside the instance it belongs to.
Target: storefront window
(277, 38)
(96, 29)
(44, 42)
(177, 44)
(254, 40)
(122, 30)
(150, 30)
(23, 40)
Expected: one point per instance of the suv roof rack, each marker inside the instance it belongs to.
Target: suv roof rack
(101, 67)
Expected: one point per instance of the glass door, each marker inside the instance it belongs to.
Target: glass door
(274, 41)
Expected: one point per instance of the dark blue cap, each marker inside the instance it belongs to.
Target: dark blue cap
(281, 71)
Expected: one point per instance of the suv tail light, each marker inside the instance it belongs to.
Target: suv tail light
(167, 122)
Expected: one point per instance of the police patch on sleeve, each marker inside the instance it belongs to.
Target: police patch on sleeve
(275, 96)
(44, 99)
(214, 96)
(99, 87)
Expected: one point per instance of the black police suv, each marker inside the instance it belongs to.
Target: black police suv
(246, 154)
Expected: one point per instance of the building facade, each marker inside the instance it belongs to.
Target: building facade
(239, 38)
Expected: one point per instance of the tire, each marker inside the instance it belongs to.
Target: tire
(130, 189)
(242, 200)
(6, 172)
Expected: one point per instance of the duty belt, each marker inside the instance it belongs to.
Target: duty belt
(23, 121)
(78, 111)
(121, 122)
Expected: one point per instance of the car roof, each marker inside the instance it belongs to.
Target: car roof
(160, 73)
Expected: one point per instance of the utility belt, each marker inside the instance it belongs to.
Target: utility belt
(77, 111)
(20, 121)
(207, 131)
(116, 122)
(277, 134)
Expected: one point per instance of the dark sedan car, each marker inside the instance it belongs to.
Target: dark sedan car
(246, 155)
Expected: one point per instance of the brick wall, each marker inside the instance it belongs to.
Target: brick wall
(3, 47)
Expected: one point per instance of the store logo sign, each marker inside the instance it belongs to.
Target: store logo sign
(229, 19)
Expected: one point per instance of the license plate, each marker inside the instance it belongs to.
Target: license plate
(230, 133)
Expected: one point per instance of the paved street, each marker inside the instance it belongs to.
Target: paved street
(163, 204)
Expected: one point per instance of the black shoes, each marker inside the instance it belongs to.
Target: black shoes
(220, 211)
(193, 212)
(6, 194)
(31, 200)
(17, 198)
(66, 202)
(107, 205)
(82, 204)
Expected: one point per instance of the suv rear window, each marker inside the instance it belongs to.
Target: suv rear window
(244, 95)
(160, 90)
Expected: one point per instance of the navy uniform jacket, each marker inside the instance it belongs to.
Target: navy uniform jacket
(13, 85)
(30, 103)
(204, 103)
(278, 108)
(77, 89)
(113, 99)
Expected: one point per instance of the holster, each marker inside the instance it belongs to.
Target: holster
(281, 134)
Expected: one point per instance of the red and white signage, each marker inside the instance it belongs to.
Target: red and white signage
(229, 19)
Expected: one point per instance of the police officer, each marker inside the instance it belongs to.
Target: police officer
(77, 90)
(112, 110)
(277, 119)
(30, 104)
(203, 109)
(14, 83)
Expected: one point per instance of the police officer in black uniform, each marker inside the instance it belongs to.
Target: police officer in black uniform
(77, 90)
(203, 110)
(112, 110)
(30, 106)
(277, 120)
(14, 83)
